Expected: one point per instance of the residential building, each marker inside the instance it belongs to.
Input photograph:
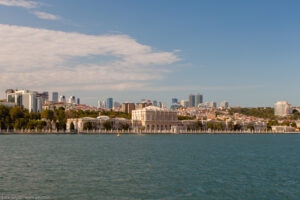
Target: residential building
(224, 105)
(128, 107)
(184, 103)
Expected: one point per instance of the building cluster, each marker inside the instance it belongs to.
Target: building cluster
(35, 101)
(151, 115)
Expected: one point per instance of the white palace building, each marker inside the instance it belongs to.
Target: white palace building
(154, 118)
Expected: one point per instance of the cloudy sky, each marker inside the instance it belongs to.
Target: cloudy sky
(244, 52)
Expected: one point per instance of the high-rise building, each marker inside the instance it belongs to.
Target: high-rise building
(29, 100)
(45, 96)
(109, 103)
(192, 100)
(282, 109)
(174, 100)
(155, 103)
(78, 101)
(199, 99)
(55, 96)
(62, 98)
(72, 99)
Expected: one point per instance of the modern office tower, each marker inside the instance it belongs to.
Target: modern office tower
(55, 96)
(128, 107)
(192, 101)
(155, 103)
(109, 103)
(174, 100)
(224, 105)
(62, 99)
(72, 99)
(78, 101)
(282, 109)
(199, 99)
(25, 99)
(184, 103)
(99, 103)
(45, 96)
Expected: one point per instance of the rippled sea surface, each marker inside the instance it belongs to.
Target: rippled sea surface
(150, 167)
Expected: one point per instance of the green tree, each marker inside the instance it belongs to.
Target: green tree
(107, 125)
(47, 114)
(16, 113)
(250, 127)
(72, 127)
(237, 127)
(126, 126)
(87, 126)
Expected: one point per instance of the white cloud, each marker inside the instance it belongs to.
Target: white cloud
(44, 15)
(40, 58)
(19, 3)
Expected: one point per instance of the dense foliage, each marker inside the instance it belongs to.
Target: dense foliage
(182, 117)
(267, 113)
(18, 118)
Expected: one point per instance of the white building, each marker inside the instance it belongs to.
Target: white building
(72, 99)
(98, 123)
(184, 103)
(154, 118)
(224, 105)
(282, 109)
(29, 100)
(62, 99)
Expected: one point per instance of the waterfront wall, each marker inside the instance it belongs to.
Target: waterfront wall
(26, 131)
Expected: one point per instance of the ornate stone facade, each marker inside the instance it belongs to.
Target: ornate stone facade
(154, 118)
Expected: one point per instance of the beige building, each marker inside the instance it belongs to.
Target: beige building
(128, 107)
(154, 118)
(98, 123)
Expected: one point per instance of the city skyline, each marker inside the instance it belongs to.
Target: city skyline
(241, 52)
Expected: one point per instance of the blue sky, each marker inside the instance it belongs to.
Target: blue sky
(245, 52)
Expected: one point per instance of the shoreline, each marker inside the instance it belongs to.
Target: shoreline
(144, 133)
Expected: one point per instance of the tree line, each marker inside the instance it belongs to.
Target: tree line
(20, 118)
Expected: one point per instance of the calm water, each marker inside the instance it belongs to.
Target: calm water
(150, 167)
